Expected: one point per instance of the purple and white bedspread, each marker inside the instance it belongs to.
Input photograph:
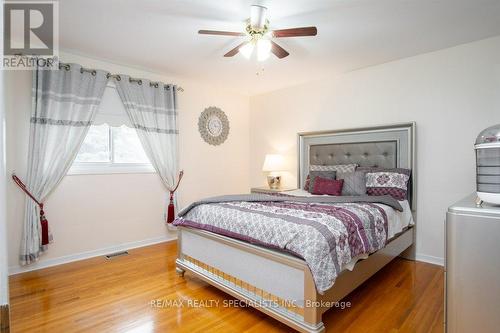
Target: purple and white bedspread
(327, 232)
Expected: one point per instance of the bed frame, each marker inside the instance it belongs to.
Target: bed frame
(280, 284)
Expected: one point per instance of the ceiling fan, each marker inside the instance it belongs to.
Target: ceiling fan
(260, 37)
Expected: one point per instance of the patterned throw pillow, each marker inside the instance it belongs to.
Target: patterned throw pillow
(314, 174)
(387, 182)
(377, 169)
(338, 167)
(328, 186)
(354, 182)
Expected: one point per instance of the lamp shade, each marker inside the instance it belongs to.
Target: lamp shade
(273, 162)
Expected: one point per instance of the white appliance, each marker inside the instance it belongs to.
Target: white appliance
(488, 165)
(472, 267)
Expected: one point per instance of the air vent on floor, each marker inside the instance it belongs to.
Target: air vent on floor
(116, 254)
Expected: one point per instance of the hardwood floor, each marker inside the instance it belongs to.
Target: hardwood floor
(99, 295)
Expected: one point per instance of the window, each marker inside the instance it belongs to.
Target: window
(110, 145)
(96, 146)
(108, 149)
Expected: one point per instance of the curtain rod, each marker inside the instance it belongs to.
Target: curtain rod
(109, 75)
(116, 76)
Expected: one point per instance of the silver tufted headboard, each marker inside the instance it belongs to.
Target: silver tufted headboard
(367, 154)
(390, 146)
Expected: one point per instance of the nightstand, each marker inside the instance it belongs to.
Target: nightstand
(266, 189)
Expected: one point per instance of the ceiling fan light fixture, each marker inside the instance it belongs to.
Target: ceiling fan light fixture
(257, 16)
(246, 50)
(259, 36)
(263, 49)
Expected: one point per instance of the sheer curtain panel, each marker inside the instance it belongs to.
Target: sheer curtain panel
(152, 110)
(65, 102)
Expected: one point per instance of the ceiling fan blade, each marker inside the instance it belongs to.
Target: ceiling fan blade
(235, 50)
(296, 32)
(220, 33)
(278, 50)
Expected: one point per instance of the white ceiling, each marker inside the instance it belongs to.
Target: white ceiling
(161, 35)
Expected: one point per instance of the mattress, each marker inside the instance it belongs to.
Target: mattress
(329, 233)
(396, 221)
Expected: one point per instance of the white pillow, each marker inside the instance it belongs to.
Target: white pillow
(339, 167)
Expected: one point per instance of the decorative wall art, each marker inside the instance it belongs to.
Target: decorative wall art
(213, 126)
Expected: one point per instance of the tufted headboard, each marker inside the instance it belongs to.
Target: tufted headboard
(391, 146)
(367, 154)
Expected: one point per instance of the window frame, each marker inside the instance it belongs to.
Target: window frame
(109, 167)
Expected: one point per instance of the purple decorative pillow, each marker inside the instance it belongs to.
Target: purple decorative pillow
(328, 186)
(392, 182)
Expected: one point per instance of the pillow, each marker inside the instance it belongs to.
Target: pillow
(354, 182)
(397, 170)
(328, 186)
(306, 184)
(338, 167)
(389, 181)
(314, 174)
(378, 169)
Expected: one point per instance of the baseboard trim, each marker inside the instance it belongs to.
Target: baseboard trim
(89, 254)
(429, 259)
(4, 318)
(132, 245)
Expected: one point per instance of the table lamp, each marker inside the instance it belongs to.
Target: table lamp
(273, 163)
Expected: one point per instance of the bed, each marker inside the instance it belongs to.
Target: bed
(282, 283)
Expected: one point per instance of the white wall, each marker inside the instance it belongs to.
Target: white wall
(4, 282)
(451, 94)
(93, 212)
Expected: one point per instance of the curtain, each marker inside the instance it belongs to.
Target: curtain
(65, 102)
(152, 110)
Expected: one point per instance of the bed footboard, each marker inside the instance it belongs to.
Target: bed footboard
(275, 283)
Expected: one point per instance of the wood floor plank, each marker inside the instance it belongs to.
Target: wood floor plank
(125, 294)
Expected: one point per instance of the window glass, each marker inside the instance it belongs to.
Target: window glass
(127, 147)
(111, 150)
(96, 146)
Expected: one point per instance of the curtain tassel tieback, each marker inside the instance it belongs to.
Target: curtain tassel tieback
(171, 206)
(45, 226)
(43, 221)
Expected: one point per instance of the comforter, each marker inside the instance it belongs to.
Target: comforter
(327, 232)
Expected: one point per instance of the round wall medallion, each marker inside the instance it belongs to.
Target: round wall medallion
(213, 126)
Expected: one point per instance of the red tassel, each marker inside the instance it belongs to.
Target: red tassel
(43, 221)
(45, 226)
(171, 209)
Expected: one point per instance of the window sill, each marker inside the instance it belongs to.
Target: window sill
(107, 169)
